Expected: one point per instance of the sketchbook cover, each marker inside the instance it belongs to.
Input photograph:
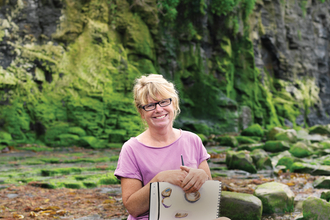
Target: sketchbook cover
(204, 205)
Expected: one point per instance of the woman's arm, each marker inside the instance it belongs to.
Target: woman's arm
(136, 197)
(196, 177)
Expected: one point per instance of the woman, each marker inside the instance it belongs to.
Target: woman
(154, 155)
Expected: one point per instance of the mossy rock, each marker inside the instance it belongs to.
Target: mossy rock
(322, 182)
(77, 131)
(261, 159)
(289, 135)
(273, 132)
(240, 160)
(253, 130)
(117, 136)
(251, 147)
(325, 144)
(5, 138)
(326, 195)
(316, 208)
(89, 142)
(276, 146)
(108, 180)
(203, 138)
(245, 140)
(73, 185)
(300, 150)
(68, 140)
(52, 133)
(320, 129)
(90, 184)
(229, 141)
(286, 161)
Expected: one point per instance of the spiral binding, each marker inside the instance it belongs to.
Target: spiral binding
(218, 212)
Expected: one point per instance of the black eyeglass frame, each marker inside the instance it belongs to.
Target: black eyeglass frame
(155, 104)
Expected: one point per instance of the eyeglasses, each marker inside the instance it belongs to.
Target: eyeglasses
(152, 106)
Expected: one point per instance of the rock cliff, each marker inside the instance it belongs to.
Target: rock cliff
(69, 65)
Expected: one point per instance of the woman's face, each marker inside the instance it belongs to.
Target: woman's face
(160, 117)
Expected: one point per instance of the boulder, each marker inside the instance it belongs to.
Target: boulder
(251, 147)
(245, 140)
(261, 159)
(326, 195)
(322, 182)
(5, 138)
(300, 150)
(299, 167)
(68, 139)
(240, 160)
(275, 197)
(253, 130)
(276, 146)
(325, 144)
(276, 158)
(287, 161)
(77, 131)
(89, 142)
(229, 141)
(289, 135)
(273, 132)
(320, 129)
(238, 206)
(316, 208)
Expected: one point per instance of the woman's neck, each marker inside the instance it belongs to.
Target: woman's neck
(159, 138)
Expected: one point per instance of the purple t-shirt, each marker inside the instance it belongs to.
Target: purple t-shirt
(142, 162)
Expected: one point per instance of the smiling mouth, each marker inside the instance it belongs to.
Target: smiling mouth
(160, 117)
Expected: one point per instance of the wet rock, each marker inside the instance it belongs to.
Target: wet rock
(299, 167)
(245, 140)
(91, 217)
(326, 195)
(229, 141)
(322, 182)
(251, 147)
(289, 135)
(316, 208)
(276, 146)
(237, 206)
(253, 130)
(275, 197)
(261, 159)
(273, 132)
(11, 196)
(320, 129)
(301, 150)
(240, 160)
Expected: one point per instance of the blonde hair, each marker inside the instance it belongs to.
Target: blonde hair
(152, 86)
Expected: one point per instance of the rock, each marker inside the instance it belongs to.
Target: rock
(89, 142)
(326, 195)
(91, 217)
(325, 144)
(287, 161)
(276, 146)
(299, 167)
(229, 141)
(240, 160)
(300, 150)
(289, 135)
(273, 132)
(5, 138)
(253, 130)
(275, 197)
(316, 208)
(245, 140)
(322, 182)
(11, 196)
(261, 159)
(238, 206)
(77, 131)
(275, 159)
(320, 129)
(251, 147)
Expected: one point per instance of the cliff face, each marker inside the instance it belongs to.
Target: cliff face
(67, 67)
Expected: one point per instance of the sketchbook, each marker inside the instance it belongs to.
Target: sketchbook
(170, 202)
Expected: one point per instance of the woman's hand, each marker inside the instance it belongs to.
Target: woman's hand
(194, 179)
(175, 177)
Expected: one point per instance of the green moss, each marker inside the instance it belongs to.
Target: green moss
(109, 179)
(253, 130)
(286, 161)
(245, 140)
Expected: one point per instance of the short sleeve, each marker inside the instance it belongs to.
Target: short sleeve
(203, 152)
(127, 165)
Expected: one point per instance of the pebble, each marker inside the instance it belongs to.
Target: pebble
(11, 196)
